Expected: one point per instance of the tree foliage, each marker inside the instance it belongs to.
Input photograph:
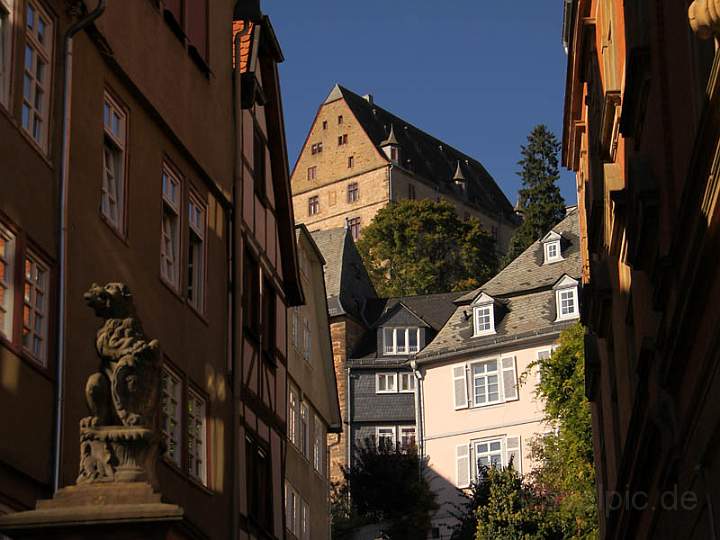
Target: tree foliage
(541, 203)
(422, 247)
(384, 485)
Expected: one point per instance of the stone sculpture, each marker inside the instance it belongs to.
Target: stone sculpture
(119, 441)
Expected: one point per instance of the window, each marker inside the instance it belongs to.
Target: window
(342, 139)
(385, 437)
(486, 383)
(324, 124)
(351, 162)
(112, 199)
(316, 148)
(340, 119)
(36, 78)
(492, 381)
(307, 340)
(407, 382)
(394, 153)
(318, 445)
(411, 192)
(386, 382)
(196, 253)
(552, 251)
(313, 205)
(170, 241)
(259, 164)
(542, 356)
(304, 520)
(294, 326)
(305, 429)
(292, 503)
(189, 19)
(5, 47)
(312, 173)
(401, 340)
(407, 436)
(259, 484)
(197, 436)
(354, 226)
(269, 321)
(35, 320)
(567, 305)
(7, 289)
(171, 389)
(489, 454)
(292, 422)
(251, 295)
(352, 192)
(484, 320)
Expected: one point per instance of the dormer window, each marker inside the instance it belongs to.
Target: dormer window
(391, 146)
(484, 315)
(566, 299)
(401, 340)
(552, 247)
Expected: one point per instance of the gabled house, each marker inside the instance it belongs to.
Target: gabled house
(474, 409)
(358, 157)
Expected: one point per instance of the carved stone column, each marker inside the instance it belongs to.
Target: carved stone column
(704, 18)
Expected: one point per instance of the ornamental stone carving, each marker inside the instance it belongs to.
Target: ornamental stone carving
(704, 17)
(119, 440)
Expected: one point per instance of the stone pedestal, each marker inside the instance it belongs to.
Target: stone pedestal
(117, 510)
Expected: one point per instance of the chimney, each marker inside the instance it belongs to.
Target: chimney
(369, 98)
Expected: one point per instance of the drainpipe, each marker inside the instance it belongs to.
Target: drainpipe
(64, 168)
(419, 411)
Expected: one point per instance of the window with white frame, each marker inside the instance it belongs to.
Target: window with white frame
(385, 436)
(567, 304)
(305, 429)
(6, 14)
(171, 398)
(407, 436)
(196, 253)
(307, 340)
(552, 251)
(304, 520)
(112, 197)
(197, 436)
(401, 340)
(292, 422)
(37, 72)
(7, 289)
(498, 451)
(318, 444)
(35, 297)
(292, 504)
(484, 320)
(491, 381)
(542, 356)
(386, 383)
(407, 382)
(489, 453)
(170, 241)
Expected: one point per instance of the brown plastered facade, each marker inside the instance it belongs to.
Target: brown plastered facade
(179, 113)
(378, 179)
(642, 134)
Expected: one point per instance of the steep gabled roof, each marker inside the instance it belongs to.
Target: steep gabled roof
(346, 280)
(424, 155)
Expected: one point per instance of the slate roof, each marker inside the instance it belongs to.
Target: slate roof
(524, 295)
(426, 156)
(348, 286)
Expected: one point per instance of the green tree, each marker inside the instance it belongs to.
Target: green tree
(421, 247)
(541, 203)
(567, 475)
(384, 485)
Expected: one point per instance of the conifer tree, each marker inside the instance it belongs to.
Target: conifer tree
(541, 203)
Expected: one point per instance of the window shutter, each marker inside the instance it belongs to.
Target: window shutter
(462, 454)
(512, 451)
(509, 378)
(460, 387)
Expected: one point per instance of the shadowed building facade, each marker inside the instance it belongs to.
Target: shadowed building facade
(358, 157)
(642, 133)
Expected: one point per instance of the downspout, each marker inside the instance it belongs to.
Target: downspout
(235, 249)
(389, 179)
(419, 412)
(64, 168)
(348, 397)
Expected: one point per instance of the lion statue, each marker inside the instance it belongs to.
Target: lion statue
(125, 389)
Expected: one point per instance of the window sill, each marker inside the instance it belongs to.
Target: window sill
(175, 468)
(568, 318)
(27, 358)
(172, 288)
(197, 312)
(122, 236)
(485, 334)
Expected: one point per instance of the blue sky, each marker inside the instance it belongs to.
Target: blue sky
(478, 74)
